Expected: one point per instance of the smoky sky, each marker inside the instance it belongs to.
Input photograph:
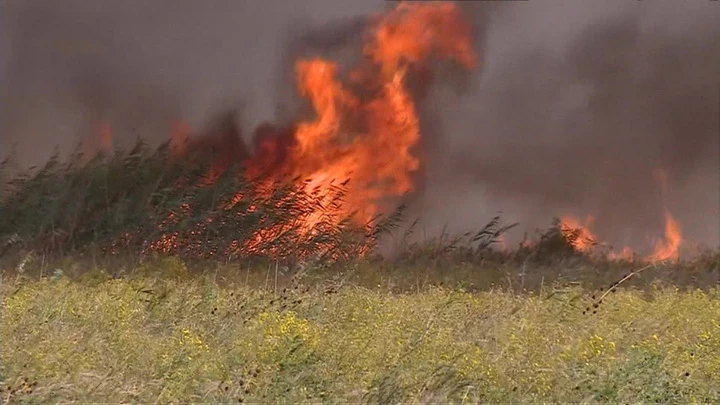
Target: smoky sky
(572, 108)
(575, 107)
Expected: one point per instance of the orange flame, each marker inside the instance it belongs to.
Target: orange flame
(578, 233)
(668, 248)
(378, 157)
(369, 136)
(410, 33)
(372, 140)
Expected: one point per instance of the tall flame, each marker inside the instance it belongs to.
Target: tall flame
(371, 140)
(668, 249)
(364, 128)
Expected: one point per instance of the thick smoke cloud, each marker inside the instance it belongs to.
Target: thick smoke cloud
(574, 106)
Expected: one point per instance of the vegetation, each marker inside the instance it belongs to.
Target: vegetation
(179, 339)
(97, 305)
(143, 201)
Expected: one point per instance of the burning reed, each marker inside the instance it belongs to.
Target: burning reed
(142, 201)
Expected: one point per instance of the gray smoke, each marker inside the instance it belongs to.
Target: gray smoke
(139, 65)
(573, 107)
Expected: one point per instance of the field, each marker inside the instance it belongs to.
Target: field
(141, 279)
(284, 265)
(266, 337)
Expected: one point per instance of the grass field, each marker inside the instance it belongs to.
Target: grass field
(215, 290)
(351, 337)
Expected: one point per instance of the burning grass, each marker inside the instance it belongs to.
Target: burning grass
(144, 202)
(227, 295)
(282, 198)
(119, 211)
(207, 271)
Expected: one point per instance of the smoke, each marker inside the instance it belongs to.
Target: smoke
(139, 65)
(573, 108)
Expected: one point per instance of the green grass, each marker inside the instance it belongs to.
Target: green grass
(315, 338)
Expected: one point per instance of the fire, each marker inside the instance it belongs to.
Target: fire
(410, 33)
(578, 233)
(365, 127)
(668, 248)
(372, 140)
